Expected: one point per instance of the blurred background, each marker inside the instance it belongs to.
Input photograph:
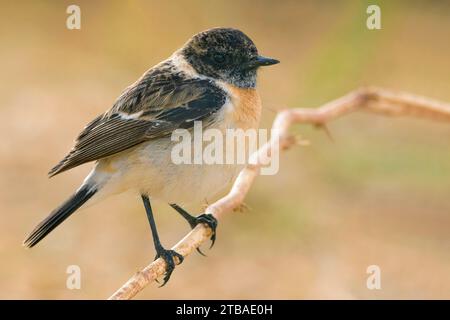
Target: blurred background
(378, 194)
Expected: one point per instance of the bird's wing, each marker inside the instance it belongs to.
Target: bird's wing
(151, 108)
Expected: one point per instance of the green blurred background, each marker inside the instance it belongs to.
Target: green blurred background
(378, 194)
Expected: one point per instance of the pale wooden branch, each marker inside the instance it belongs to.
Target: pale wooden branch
(376, 100)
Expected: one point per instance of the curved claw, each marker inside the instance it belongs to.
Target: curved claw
(211, 222)
(207, 219)
(213, 239)
(168, 257)
(200, 251)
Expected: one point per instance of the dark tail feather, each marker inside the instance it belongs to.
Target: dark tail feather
(59, 215)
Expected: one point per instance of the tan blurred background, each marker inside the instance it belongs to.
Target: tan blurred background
(379, 194)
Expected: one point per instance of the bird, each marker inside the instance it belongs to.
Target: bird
(211, 79)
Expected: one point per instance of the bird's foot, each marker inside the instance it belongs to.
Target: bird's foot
(169, 257)
(210, 221)
(193, 221)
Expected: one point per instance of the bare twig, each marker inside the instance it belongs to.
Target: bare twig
(369, 99)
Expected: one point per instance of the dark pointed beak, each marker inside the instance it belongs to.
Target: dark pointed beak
(264, 61)
(260, 61)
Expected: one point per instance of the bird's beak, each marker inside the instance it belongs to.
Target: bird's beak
(264, 61)
(261, 61)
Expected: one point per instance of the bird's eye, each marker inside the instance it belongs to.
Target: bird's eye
(219, 58)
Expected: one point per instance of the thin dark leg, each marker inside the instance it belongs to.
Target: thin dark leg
(167, 255)
(207, 219)
(186, 215)
(151, 220)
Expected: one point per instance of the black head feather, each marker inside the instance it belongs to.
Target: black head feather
(223, 53)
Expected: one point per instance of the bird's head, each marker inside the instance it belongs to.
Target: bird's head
(225, 54)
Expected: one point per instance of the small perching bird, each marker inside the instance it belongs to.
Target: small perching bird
(211, 79)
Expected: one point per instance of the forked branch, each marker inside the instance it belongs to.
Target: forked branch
(369, 99)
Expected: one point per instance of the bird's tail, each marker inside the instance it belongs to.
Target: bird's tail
(83, 194)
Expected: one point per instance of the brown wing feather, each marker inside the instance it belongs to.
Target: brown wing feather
(164, 102)
(110, 137)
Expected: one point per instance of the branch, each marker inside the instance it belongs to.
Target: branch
(369, 99)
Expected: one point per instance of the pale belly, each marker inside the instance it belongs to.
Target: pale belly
(181, 183)
(149, 169)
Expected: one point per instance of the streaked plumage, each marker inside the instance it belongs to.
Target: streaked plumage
(164, 99)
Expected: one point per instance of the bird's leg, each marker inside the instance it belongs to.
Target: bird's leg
(167, 255)
(207, 219)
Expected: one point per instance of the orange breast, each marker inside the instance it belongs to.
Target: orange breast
(246, 111)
